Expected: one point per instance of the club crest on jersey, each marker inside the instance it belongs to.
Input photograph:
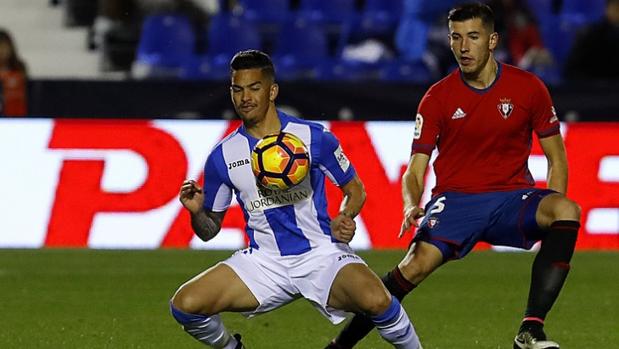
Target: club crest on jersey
(505, 107)
(432, 222)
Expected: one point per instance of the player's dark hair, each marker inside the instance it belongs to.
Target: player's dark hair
(14, 62)
(468, 11)
(253, 59)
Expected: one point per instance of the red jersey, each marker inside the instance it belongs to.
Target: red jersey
(484, 136)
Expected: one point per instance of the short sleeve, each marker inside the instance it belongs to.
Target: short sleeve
(217, 192)
(332, 160)
(427, 125)
(544, 116)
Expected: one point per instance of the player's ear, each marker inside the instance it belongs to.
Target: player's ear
(494, 41)
(273, 92)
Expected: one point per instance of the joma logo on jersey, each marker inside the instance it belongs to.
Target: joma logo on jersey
(505, 107)
(237, 163)
(347, 255)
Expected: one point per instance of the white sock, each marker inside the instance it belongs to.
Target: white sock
(396, 328)
(209, 330)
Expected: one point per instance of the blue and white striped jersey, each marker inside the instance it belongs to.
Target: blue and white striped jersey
(283, 223)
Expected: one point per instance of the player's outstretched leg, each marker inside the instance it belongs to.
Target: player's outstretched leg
(206, 329)
(550, 269)
(360, 325)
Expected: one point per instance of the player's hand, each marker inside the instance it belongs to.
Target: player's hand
(411, 214)
(191, 196)
(343, 228)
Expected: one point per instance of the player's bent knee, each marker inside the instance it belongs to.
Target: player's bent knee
(375, 301)
(567, 209)
(187, 302)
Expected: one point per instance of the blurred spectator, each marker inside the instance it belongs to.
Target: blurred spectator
(519, 34)
(13, 77)
(110, 15)
(595, 54)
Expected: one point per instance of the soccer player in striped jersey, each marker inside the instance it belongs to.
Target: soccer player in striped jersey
(481, 118)
(295, 249)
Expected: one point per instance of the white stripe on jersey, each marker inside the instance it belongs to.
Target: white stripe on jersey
(242, 178)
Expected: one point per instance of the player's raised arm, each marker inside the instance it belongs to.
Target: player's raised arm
(205, 224)
(343, 226)
(554, 149)
(412, 189)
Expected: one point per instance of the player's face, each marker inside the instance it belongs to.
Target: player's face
(252, 94)
(471, 44)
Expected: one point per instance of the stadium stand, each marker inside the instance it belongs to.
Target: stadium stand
(360, 39)
(266, 12)
(227, 35)
(379, 18)
(301, 51)
(79, 13)
(167, 41)
(51, 49)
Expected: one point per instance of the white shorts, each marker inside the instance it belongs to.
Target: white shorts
(276, 280)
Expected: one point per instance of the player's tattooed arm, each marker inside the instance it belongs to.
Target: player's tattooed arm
(205, 224)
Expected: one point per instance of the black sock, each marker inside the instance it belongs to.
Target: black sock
(397, 284)
(361, 325)
(550, 269)
(534, 327)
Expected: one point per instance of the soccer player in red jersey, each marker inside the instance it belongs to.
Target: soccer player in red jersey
(481, 118)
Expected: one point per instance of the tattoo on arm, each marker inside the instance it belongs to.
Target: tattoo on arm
(205, 225)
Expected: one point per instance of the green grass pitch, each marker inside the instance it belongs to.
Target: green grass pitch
(119, 299)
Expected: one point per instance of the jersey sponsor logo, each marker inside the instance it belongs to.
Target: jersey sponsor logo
(505, 107)
(341, 158)
(347, 255)
(132, 186)
(418, 126)
(237, 163)
(458, 114)
(268, 198)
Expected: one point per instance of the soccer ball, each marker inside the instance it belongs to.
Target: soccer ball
(280, 161)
